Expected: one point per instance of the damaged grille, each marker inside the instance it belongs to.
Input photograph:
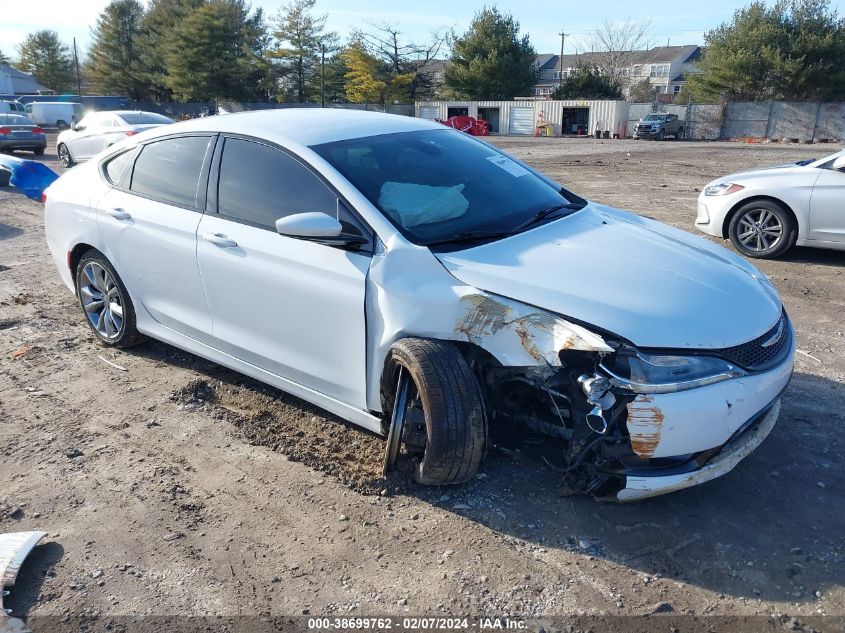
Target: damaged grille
(763, 352)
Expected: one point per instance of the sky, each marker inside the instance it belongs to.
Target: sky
(684, 22)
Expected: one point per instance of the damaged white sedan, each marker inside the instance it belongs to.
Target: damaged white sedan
(428, 287)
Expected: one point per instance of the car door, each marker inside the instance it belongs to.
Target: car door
(78, 139)
(827, 206)
(292, 307)
(104, 134)
(148, 220)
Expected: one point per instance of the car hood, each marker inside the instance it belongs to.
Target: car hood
(647, 282)
(764, 172)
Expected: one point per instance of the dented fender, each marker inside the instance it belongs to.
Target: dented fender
(410, 293)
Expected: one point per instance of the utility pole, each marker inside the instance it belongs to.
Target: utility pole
(76, 61)
(560, 64)
(322, 75)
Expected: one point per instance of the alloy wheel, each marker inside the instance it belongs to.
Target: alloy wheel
(64, 155)
(759, 230)
(101, 301)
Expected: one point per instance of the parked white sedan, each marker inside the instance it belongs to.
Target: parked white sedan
(98, 130)
(428, 287)
(766, 212)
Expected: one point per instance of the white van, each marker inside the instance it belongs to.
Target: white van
(12, 107)
(60, 114)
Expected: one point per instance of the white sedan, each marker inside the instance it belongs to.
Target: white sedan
(430, 288)
(99, 130)
(766, 212)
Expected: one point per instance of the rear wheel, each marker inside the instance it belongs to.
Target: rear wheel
(64, 155)
(762, 229)
(437, 411)
(39, 151)
(105, 301)
(62, 125)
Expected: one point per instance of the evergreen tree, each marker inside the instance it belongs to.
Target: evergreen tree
(299, 36)
(212, 53)
(588, 82)
(43, 55)
(791, 50)
(114, 64)
(491, 60)
(157, 29)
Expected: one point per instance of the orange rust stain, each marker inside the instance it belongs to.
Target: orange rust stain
(527, 341)
(645, 423)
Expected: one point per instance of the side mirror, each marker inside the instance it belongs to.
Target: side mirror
(309, 226)
(77, 128)
(839, 163)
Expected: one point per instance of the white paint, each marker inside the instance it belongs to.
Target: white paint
(318, 321)
(813, 192)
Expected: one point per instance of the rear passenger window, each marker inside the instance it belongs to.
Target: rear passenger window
(169, 170)
(117, 165)
(259, 184)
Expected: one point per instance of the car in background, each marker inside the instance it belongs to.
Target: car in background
(58, 114)
(99, 130)
(765, 212)
(12, 107)
(658, 126)
(407, 277)
(19, 133)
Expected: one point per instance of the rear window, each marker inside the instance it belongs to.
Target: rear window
(14, 119)
(170, 169)
(145, 118)
(116, 167)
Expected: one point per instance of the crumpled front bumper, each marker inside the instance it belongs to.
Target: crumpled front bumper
(642, 487)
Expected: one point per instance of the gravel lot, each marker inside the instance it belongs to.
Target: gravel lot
(177, 487)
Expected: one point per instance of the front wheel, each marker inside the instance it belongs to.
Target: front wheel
(105, 301)
(660, 135)
(38, 151)
(762, 229)
(64, 156)
(680, 135)
(437, 411)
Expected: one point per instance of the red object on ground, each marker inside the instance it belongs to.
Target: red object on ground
(468, 124)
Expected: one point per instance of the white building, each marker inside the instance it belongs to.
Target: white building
(664, 66)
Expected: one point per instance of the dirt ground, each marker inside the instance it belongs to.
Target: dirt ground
(175, 487)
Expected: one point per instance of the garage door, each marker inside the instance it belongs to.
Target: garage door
(521, 120)
(429, 112)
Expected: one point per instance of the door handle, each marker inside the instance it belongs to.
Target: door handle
(119, 214)
(219, 240)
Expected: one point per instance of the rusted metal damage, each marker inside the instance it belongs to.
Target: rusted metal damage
(645, 424)
(14, 548)
(541, 335)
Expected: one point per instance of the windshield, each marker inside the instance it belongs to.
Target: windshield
(655, 117)
(145, 118)
(437, 184)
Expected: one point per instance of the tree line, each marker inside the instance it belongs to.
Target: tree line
(206, 50)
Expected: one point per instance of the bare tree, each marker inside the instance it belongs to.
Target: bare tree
(615, 43)
(402, 57)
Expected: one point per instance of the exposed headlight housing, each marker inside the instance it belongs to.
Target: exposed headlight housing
(640, 372)
(722, 189)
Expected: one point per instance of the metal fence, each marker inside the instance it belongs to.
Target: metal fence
(776, 120)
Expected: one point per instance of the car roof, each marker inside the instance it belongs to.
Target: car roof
(120, 112)
(303, 126)
(70, 103)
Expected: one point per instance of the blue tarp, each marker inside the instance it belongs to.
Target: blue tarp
(28, 176)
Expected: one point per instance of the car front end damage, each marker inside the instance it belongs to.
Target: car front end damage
(589, 410)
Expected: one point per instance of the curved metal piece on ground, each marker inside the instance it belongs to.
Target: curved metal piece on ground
(14, 548)
(397, 422)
